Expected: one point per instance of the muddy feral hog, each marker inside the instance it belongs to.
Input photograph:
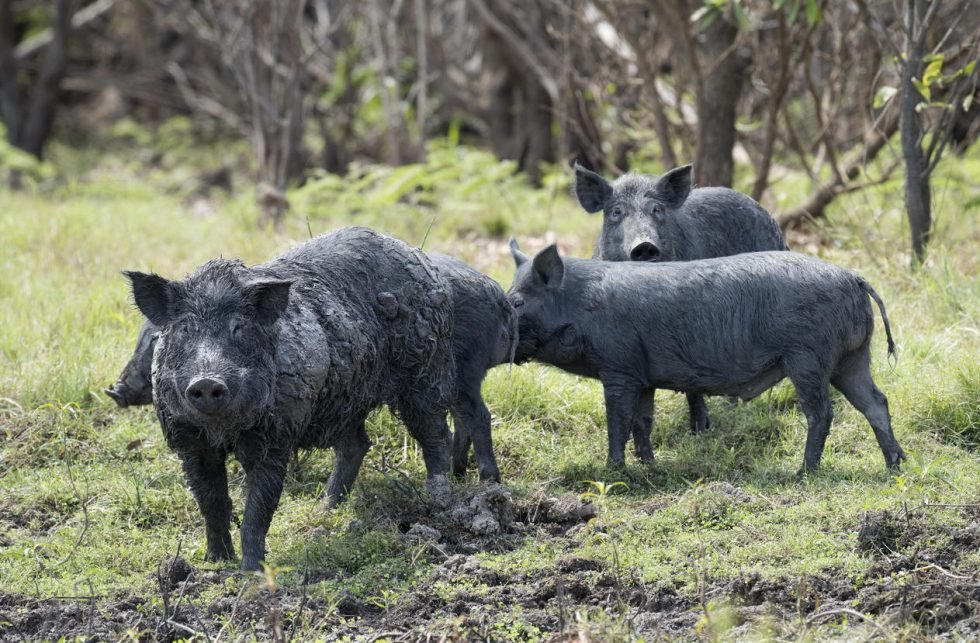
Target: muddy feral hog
(485, 331)
(294, 353)
(726, 326)
(646, 218)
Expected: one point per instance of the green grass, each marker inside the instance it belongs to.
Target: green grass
(90, 494)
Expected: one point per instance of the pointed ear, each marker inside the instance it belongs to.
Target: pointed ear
(269, 298)
(154, 296)
(591, 189)
(515, 251)
(674, 186)
(549, 267)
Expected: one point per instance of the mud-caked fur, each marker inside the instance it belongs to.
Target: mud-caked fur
(294, 353)
(485, 333)
(726, 326)
(649, 218)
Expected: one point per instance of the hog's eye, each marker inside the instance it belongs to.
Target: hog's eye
(236, 329)
(616, 213)
(656, 209)
(517, 301)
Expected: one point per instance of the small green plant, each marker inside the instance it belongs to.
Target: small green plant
(913, 483)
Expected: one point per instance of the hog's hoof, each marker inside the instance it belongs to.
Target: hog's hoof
(619, 463)
(220, 553)
(806, 470)
(439, 491)
(700, 425)
(251, 564)
(894, 460)
(490, 476)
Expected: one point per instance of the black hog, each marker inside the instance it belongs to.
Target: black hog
(484, 335)
(294, 353)
(726, 326)
(134, 386)
(646, 218)
(485, 330)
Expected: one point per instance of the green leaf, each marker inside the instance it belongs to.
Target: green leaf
(813, 13)
(794, 9)
(923, 88)
(741, 17)
(968, 103)
(778, 4)
(932, 72)
(704, 16)
(883, 95)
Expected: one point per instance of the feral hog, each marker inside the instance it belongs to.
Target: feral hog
(726, 326)
(294, 353)
(646, 218)
(485, 331)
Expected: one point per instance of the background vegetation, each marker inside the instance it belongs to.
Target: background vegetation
(454, 123)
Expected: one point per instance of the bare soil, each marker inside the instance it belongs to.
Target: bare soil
(904, 584)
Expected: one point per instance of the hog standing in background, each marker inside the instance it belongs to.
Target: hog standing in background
(651, 219)
(294, 353)
(727, 326)
(485, 330)
(134, 386)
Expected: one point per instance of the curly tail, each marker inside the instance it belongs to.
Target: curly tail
(884, 317)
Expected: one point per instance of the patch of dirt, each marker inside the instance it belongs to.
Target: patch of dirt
(466, 599)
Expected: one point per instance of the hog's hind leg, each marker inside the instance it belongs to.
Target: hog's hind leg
(811, 381)
(349, 451)
(699, 412)
(430, 430)
(471, 420)
(853, 379)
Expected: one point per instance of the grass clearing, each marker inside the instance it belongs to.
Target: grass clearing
(717, 539)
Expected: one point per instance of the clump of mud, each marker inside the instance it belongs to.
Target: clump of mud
(172, 571)
(880, 533)
(488, 512)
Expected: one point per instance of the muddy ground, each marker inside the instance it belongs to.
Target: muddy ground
(923, 590)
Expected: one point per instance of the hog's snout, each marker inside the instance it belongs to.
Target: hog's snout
(208, 395)
(645, 251)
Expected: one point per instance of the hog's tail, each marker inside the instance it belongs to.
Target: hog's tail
(884, 317)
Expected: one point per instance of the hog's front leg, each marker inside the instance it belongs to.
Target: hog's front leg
(621, 396)
(264, 478)
(643, 426)
(207, 477)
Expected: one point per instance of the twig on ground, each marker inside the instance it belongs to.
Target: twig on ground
(843, 611)
(81, 502)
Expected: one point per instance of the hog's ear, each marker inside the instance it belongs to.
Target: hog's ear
(591, 189)
(549, 267)
(269, 298)
(515, 251)
(674, 186)
(154, 296)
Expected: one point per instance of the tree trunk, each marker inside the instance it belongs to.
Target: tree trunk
(917, 192)
(29, 119)
(717, 101)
